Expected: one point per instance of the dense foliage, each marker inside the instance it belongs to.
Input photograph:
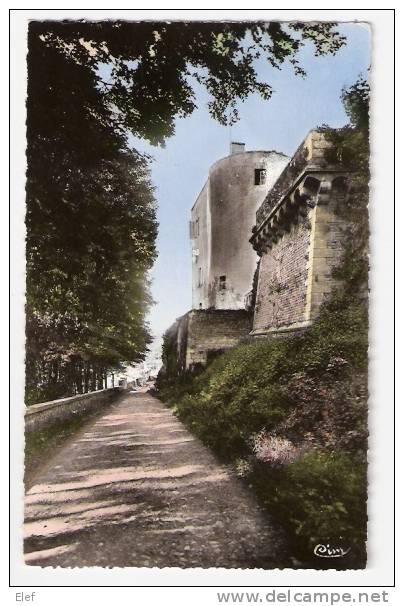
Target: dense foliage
(91, 229)
(91, 225)
(291, 413)
(294, 383)
(146, 72)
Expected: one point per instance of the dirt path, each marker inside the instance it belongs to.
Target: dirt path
(135, 488)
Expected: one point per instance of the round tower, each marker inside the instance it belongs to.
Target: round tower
(221, 222)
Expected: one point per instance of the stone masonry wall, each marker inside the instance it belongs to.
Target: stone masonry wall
(212, 331)
(40, 416)
(199, 335)
(296, 270)
(281, 293)
(327, 250)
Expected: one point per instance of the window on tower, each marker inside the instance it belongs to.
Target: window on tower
(260, 176)
(194, 229)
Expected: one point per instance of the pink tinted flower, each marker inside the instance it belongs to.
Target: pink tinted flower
(274, 450)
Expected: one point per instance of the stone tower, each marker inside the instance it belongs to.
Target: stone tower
(223, 261)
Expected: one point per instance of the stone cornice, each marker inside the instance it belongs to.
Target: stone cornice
(312, 186)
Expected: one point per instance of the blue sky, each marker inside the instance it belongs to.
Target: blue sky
(180, 169)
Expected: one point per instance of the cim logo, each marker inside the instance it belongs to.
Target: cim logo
(326, 551)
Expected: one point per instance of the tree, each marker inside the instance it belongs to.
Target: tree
(91, 230)
(356, 102)
(350, 148)
(152, 66)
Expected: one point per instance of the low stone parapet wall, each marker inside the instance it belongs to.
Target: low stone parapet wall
(212, 331)
(41, 416)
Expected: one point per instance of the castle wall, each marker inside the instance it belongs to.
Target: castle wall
(327, 247)
(300, 239)
(213, 331)
(282, 290)
(200, 335)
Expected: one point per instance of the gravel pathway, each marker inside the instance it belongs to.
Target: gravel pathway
(135, 488)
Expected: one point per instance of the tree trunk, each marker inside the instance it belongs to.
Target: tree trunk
(99, 379)
(86, 377)
(93, 378)
(79, 377)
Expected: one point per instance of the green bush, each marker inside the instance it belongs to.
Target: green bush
(313, 384)
(234, 397)
(320, 498)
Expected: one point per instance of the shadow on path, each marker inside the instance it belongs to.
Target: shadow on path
(135, 488)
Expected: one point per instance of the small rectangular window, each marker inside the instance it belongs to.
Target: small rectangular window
(260, 176)
(222, 283)
(194, 229)
(199, 276)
